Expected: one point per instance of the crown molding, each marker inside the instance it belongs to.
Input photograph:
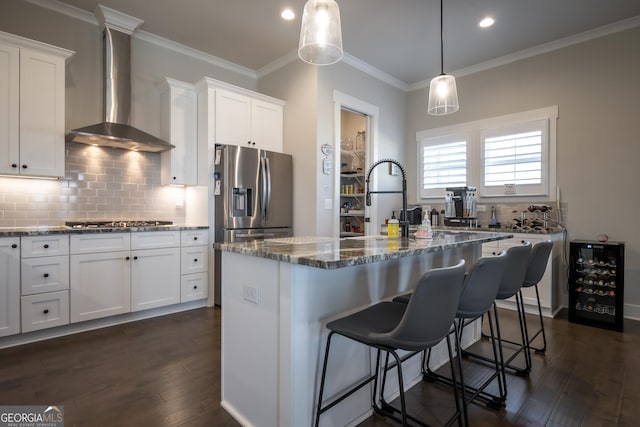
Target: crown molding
(117, 20)
(596, 33)
(351, 60)
(194, 53)
(90, 18)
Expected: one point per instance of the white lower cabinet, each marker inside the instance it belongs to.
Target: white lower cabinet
(9, 286)
(155, 278)
(194, 287)
(44, 268)
(100, 285)
(194, 264)
(45, 310)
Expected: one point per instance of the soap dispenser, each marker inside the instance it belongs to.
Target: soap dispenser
(393, 228)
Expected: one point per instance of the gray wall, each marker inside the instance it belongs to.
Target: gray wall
(596, 87)
(309, 114)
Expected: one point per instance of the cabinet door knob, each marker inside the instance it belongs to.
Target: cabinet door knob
(174, 178)
(195, 238)
(195, 287)
(195, 260)
(46, 246)
(46, 275)
(135, 257)
(14, 246)
(127, 258)
(13, 165)
(45, 311)
(24, 166)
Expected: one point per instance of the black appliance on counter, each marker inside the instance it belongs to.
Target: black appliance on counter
(460, 207)
(596, 283)
(414, 215)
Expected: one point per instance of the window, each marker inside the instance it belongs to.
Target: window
(514, 160)
(510, 156)
(444, 163)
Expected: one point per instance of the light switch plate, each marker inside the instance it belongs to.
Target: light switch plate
(328, 204)
(250, 293)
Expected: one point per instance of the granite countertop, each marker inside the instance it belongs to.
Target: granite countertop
(502, 229)
(44, 230)
(332, 253)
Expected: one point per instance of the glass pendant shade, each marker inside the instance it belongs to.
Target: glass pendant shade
(443, 95)
(320, 34)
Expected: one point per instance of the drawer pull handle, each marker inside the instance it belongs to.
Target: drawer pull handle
(46, 275)
(46, 246)
(45, 311)
(14, 246)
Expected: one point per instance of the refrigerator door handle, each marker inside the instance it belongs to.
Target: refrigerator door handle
(267, 204)
(264, 184)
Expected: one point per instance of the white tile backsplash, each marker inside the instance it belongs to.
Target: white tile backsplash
(99, 183)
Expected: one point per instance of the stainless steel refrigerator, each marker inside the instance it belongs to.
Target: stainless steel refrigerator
(252, 198)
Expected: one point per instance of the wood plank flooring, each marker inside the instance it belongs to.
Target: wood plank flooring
(166, 372)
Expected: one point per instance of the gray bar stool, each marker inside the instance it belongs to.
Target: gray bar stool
(510, 285)
(390, 326)
(479, 293)
(536, 267)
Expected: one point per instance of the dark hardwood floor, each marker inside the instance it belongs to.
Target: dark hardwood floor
(166, 372)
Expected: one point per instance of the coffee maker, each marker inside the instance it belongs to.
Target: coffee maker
(460, 207)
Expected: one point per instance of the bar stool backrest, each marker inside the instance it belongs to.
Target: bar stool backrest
(513, 276)
(481, 286)
(430, 312)
(537, 263)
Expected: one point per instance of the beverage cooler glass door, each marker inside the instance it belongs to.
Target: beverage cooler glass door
(596, 284)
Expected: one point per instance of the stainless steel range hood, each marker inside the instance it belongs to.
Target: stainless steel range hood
(116, 130)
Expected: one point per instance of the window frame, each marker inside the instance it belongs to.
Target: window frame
(475, 155)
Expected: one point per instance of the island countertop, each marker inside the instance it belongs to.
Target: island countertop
(333, 253)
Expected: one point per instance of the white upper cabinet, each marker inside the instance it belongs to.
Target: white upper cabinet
(236, 116)
(179, 127)
(32, 93)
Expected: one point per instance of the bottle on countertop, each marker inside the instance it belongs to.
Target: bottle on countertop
(435, 217)
(393, 228)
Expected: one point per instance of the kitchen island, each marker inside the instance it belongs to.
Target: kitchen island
(277, 296)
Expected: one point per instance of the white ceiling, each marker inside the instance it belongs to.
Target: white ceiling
(400, 38)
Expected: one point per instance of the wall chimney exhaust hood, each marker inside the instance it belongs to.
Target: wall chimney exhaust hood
(116, 131)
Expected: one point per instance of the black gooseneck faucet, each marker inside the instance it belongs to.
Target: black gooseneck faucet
(404, 223)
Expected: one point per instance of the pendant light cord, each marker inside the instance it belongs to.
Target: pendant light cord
(441, 40)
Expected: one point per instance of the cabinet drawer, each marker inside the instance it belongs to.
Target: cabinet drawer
(45, 310)
(194, 237)
(194, 287)
(46, 245)
(194, 260)
(155, 239)
(103, 242)
(45, 274)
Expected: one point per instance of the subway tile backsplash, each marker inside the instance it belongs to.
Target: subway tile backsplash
(99, 183)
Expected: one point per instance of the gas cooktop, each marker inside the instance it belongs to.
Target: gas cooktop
(115, 224)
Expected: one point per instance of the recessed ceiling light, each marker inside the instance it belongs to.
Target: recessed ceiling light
(287, 14)
(486, 22)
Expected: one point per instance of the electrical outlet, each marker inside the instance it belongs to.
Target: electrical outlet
(250, 293)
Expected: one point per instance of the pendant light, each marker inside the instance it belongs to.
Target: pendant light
(320, 34)
(443, 95)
